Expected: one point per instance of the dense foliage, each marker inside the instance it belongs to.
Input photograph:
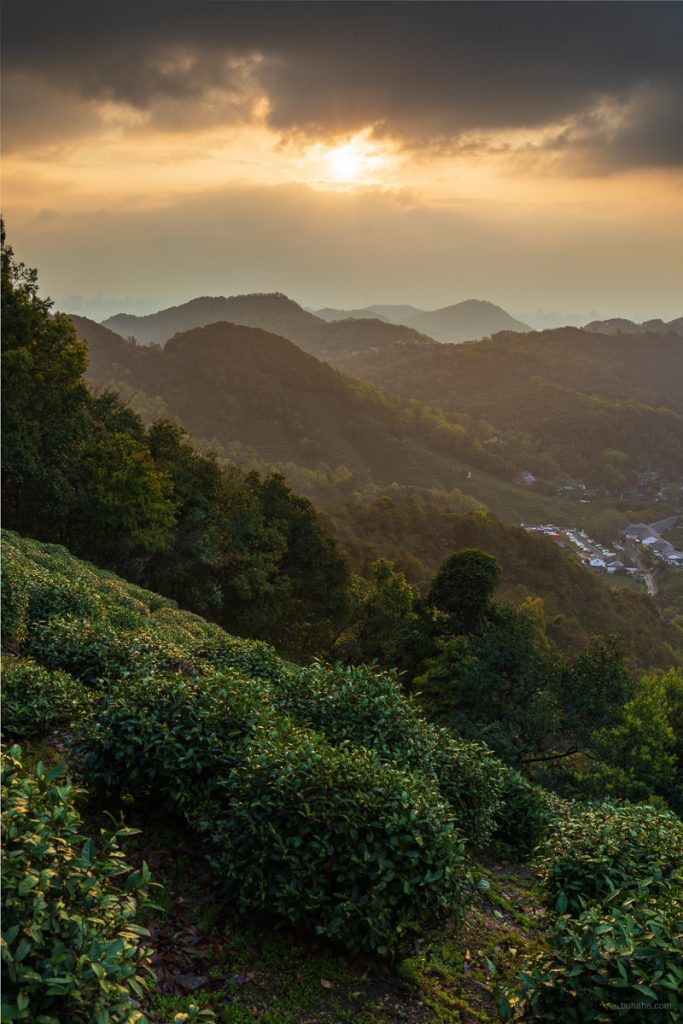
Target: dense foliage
(35, 700)
(563, 389)
(329, 833)
(603, 846)
(70, 943)
(615, 952)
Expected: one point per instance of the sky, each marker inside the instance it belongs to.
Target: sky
(530, 154)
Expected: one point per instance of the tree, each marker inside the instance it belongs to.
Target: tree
(313, 578)
(45, 405)
(593, 691)
(497, 685)
(464, 586)
(393, 625)
(122, 509)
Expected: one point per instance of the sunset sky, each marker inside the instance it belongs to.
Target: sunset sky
(348, 153)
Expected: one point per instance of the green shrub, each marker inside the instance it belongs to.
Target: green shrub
(35, 700)
(620, 961)
(70, 946)
(15, 599)
(227, 653)
(330, 835)
(94, 649)
(602, 847)
(169, 738)
(523, 814)
(359, 706)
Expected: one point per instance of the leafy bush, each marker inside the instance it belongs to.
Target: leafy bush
(169, 738)
(313, 832)
(14, 604)
(623, 961)
(96, 626)
(94, 649)
(70, 946)
(523, 814)
(603, 847)
(358, 706)
(300, 828)
(617, 954)
(35, 700)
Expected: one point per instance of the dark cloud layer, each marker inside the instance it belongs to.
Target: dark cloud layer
(427, 72)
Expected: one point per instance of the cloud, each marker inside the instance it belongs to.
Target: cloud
(429, 74)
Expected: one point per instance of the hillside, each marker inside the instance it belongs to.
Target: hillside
(564, 388)
(305, 829)
(472, 318)
(226, 383)
(274, 313)
(379, 860)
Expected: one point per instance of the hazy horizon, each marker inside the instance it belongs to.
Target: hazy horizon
(101, 307)
(348, 154)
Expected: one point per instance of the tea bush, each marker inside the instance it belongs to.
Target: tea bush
(615, 953)
(359, 706)
(170, 739)
(71, 949)
(73, 616)
(362, 707)
(623, 961)
(14, 604)
(35, 700)
(524, 814)
(301, 828)
(331, 835)
(603, 847)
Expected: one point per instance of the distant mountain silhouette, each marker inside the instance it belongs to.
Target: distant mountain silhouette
(330, 314)
(397, 314)
(271, 312)
(274, 313)
(464, 321)
(97, 335)
(619, 325)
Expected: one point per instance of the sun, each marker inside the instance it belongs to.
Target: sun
(347, 163)
(354, 162)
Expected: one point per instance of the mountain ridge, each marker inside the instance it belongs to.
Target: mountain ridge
(620, 325)
(277, 313)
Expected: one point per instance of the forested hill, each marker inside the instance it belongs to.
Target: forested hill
(645, 368)
(579, 395)
(232, 384)
(618, 325)
(275, 313)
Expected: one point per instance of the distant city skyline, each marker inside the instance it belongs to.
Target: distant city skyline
(525, 153)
